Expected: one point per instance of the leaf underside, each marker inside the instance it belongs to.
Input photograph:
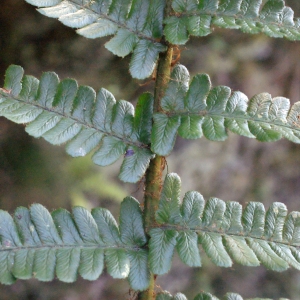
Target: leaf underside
(226, 232)
(197, 18)
(203, 296)
(136, 26)
(35, 243)
(198, 109)
(61, 112)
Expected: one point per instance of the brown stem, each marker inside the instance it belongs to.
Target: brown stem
(153, 183)
(150, 292)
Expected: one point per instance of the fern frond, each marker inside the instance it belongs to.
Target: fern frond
(199, 109)
(35, 243)
(204, 296)
(62, 112)
(226, 232)
(136, 26)
(191, 17)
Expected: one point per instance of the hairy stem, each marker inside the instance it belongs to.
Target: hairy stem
(153, 183)
(150, 292)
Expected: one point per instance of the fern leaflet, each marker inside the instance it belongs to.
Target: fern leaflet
(63, 112)
(198, 109)
(203, 296)
(38, 244)
(225, 231)
(136, 26)
(191, 17)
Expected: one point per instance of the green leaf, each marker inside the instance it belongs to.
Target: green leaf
(187, 248)
(176, 30)
(197, 93)
(161, 249)
(232, 218)
(42, 123)
(169, 205)
(131, 223)
(191, 127)
(173, 98)
(164, 296)
(100, 28)
(225, 231)
(84, 142)
(213, 247)
(136, 26)
(66, 227)
(233, 296)
(107, 226)
(83, 104)
(254, 219)
(202, 110)
(62, 112)
(102, 117)
(58, 10)
(240, 251)
(122, 43)
(47, 88)
(203, 296)
(144, 58)
(270, 17)
(179, 296)
(139, 275)
(13, 78)
(213, 214)
(43, 2)
(37, 244)
(44, 264)
(291, 230)
(117, 263)
(275, 218)
(79, 19)
(110, 151)
(67, 264)
(29, 235)
(122, 123)
(135, 164)
(44, 225)
(199, 25)
(214, 129)
(164, 133)
(65, 130)
(184, 5)
(142, 121)
(286, 254)
(92, 262)
(266, 255)
(87, 226)
(192, 208)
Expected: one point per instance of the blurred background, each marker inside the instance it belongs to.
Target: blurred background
(240, 169)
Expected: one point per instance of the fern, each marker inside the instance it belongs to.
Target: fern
(136, 26)
(37, 244)
(63, 112)
(191, 17)
(204, 296)
(225, 232)
(199, 109)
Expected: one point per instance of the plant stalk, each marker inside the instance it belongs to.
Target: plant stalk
(153, 182)
(154, 173)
